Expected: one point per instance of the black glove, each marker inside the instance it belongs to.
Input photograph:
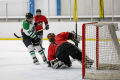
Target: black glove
(76, 40)
(47, 26)
(39, 22)
(35, 24)
(37, 39)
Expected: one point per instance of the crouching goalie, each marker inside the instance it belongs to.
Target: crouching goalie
(60, 49)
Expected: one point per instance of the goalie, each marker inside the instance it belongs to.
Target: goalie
(60, 49)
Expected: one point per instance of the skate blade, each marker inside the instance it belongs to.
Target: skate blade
(37, 63)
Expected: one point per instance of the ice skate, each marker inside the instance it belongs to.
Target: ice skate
(35, 61)
(44, 58)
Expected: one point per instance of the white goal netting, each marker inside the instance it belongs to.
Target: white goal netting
(102, 46)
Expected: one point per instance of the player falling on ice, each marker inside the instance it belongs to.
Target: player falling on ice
(30, 39)
(60, 49)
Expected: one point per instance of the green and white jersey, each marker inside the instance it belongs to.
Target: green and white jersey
(27, 28)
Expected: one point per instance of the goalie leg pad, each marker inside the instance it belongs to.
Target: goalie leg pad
(55, 64)
(88, 61)
(86, 65)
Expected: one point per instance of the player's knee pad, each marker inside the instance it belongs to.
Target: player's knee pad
(38, 48)
(30, 48)
(41, 37)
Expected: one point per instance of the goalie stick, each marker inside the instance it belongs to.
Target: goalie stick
(21, 36)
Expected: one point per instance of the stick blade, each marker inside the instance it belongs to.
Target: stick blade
(17, 36)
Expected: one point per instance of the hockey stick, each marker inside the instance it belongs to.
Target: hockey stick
(17, 36)
(21, 36)
(41, 29)
(76, 44)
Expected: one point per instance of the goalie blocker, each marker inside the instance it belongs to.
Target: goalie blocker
(60, 49)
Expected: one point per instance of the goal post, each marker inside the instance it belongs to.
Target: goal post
(100, 43)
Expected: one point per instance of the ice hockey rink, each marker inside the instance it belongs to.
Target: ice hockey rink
(100, 43)
(16, 64)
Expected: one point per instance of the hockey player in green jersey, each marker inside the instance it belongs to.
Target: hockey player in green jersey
(30, 39)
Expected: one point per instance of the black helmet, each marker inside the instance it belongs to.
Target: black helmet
(38, 10)
(29, 15)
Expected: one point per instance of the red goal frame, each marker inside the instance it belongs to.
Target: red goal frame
(83, 47)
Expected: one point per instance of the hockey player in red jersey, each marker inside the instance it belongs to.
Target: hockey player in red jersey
(60, 49)
(40, 18)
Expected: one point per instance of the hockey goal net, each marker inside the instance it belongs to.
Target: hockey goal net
(100, 43)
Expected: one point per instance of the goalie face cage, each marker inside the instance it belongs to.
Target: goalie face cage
(100, 43)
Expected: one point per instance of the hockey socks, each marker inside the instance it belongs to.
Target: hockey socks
(43, 55)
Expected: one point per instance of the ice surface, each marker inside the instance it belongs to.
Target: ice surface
(16, 64)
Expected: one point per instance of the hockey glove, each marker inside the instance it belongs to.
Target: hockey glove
(37, 23)
(47, 26)
(36, 41)
(76, 40)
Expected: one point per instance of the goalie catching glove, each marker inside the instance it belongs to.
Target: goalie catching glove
(55, 64)
(76, 40)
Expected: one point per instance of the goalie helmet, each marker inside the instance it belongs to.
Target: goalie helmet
(51, 37)
(50, 34)
(29, 15)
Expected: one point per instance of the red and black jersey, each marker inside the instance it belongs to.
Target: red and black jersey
(59, 39)
(41, 19)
